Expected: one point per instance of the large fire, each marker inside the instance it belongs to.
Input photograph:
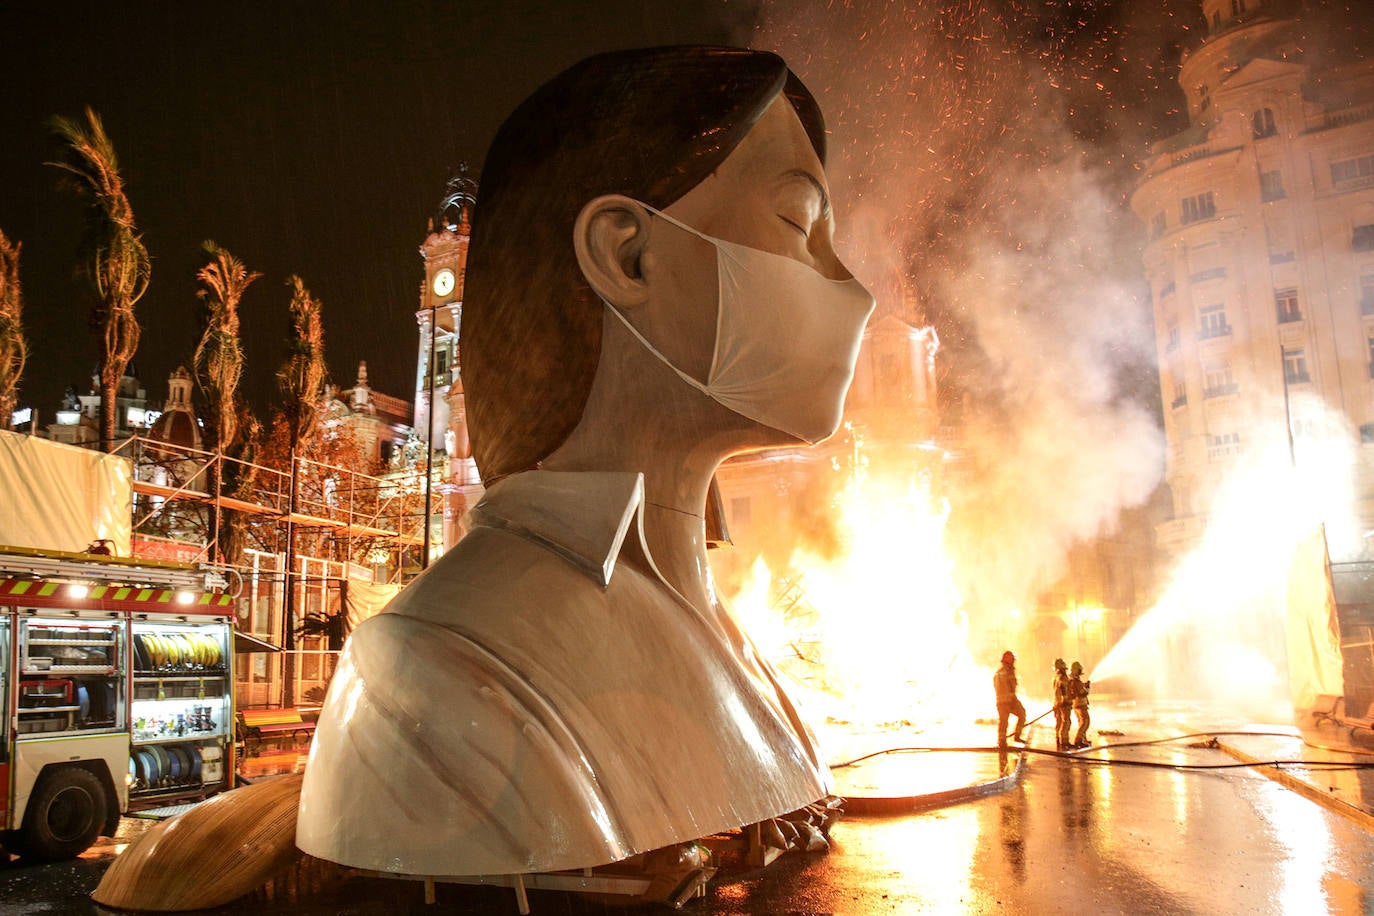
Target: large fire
(875, 632)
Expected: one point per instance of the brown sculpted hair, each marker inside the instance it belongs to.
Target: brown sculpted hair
(649, 124)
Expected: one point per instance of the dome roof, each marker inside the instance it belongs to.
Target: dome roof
(176, 427)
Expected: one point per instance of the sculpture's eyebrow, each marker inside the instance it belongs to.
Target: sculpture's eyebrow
(816, 185)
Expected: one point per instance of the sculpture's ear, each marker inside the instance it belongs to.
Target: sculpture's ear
(609, 237)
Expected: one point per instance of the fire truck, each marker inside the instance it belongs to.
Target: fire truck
(116, 679)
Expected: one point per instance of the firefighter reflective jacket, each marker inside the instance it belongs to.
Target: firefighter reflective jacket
(1004, 682)
(1078, 691)
(1062, 694)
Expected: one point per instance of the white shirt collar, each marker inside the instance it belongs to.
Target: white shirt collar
(584, 516)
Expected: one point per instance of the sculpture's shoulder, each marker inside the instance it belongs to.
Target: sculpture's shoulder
(488, 572)
(528, 703)
(426, 733)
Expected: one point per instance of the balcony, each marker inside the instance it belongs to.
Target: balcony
(1212, 273)
(1201, 151)
(1180, 401)
(1168, 156)
(1348, 116)
(1353, 184)
(1221, 330)
(1289, 316)
(1220, 391)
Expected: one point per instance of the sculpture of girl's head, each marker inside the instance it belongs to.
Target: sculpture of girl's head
(612, 140)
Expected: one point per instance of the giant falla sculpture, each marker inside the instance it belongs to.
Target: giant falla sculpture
(651, 288)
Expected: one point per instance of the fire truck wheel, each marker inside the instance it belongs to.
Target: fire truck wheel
(64, 815)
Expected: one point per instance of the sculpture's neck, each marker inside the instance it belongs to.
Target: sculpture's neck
(640, 417)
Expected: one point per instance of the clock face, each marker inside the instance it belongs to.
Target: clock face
(443, 282)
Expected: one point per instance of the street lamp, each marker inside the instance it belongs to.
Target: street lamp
(429, 433)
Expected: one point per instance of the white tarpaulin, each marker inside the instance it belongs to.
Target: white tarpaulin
(366, 599)
(60, 497)
(1314, 642)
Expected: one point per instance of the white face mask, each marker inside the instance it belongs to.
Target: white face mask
(787, 339)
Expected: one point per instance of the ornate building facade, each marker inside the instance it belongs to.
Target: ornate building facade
(378, 424)
(78, 420)
(440, 413)
(1260, 256)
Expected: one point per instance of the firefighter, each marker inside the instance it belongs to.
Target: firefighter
(1063, 704)
(1078, 691)
(1004, 683)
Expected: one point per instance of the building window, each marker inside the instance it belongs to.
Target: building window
(1158, 225)
(1211, 322)
(1271, 186)
(1369, 343)
(1295, 367)
(1222, 446)
(1280, 236)
(1286, 304)
(1172, 337)
(1180, 391)
(1167, 289)
(1352, 169)
(1367, 294)
(890, 372)
(1262, 124)
(1217, 381)
(1211, 273)
(1362, 238)
(1198, 207)
(1367, 433)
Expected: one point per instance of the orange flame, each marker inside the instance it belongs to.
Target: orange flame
(875, 634)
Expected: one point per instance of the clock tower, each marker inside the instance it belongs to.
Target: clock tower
(440, 414)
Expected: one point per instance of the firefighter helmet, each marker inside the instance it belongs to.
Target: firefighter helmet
(1008, 658)
(1059, 664)
(1076, 668)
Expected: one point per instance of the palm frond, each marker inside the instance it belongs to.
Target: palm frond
(13, 346)
(115, 260)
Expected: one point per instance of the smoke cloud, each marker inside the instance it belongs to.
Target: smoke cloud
(982, 153)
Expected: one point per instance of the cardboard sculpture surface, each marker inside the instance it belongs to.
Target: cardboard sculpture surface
(650, 289)
(216, 852)
(563, 689)
(560, 720)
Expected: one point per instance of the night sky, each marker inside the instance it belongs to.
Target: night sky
(315, 138)
(309, 138)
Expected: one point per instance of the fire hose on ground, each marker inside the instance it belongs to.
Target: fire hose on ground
(873, 805)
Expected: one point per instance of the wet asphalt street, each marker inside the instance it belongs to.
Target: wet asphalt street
(1070, 836)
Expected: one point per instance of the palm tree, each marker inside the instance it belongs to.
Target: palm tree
(13, 348)
(218, 364)
(218, 360)
(116, 261)
(301, 381)
(301, 377)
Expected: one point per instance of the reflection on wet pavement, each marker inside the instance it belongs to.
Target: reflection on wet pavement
(1071, 835)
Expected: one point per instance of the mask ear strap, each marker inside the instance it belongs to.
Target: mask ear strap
(654, 350)
(679, 223)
